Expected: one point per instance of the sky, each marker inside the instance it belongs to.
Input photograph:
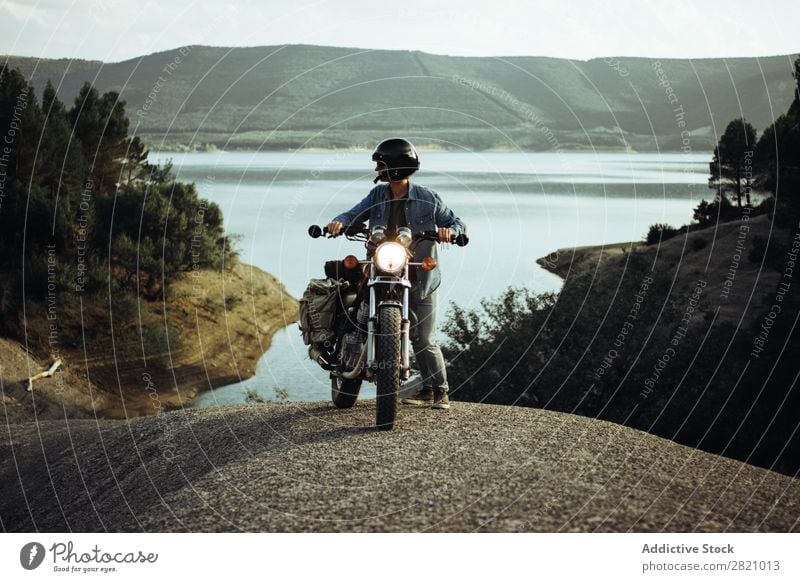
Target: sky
(115, 30)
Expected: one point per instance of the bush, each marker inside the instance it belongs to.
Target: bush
(720, 210)
(660, 232)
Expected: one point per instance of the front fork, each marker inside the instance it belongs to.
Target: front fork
(405, 333)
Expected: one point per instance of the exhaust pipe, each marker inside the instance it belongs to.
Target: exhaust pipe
(352, 374)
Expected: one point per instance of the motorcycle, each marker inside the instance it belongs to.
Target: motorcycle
(372, 329)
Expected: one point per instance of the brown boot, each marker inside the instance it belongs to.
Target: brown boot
(422, 398)
(441, 401)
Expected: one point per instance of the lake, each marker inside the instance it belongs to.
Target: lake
(517, 207)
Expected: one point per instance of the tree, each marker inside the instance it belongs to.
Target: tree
(79, 193)
(708, 213)
(136, 166)
(778, 152)
(794, 108)
(732, 156)
(62, 169)
(102, 128)
(20, 126)
(659, 232)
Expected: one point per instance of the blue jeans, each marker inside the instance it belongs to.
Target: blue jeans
(422, 317)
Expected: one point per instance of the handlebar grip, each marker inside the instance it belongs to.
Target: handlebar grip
(461, 240)
(315, 231)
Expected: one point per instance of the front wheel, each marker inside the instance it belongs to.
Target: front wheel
(387, 352)
(344, 393)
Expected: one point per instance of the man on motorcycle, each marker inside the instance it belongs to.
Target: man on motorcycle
(394, 204)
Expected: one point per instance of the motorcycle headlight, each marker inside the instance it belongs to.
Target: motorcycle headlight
(378, 234)
(404, 236)
(390, 257)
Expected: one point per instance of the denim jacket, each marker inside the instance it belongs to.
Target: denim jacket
(424, 211)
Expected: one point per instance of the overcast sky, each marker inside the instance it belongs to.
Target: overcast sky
(114, 30)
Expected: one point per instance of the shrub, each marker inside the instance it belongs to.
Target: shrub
(660, 232)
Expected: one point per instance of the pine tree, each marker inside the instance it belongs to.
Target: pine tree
(21, 124)
(777, 159)
(731, 157)
(63, 167)
(101, 126)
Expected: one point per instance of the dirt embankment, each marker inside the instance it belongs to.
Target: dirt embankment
(310, 467)
(217, 326)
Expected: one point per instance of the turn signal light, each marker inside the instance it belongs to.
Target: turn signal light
(350, 262)
(428, 264)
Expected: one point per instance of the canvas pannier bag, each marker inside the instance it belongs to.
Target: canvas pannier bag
(318, 309)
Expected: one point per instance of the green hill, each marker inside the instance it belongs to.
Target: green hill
(312, 96)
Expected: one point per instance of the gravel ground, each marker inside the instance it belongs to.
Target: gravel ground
(310, 467)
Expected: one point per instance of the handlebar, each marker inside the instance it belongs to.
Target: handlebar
(461, 240)
(315, 231)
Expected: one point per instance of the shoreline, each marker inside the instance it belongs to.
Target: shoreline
(211, 148)
(218, 325)
(225, 325)
(562, 262)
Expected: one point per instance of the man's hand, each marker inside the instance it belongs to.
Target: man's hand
(335, 228)
(445, 234)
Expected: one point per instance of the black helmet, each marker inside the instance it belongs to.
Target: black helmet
(399, 156)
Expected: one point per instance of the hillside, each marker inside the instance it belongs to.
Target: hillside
(706, 254)
(218, 327)
(693, 339)
(279, 97)
(308, 467)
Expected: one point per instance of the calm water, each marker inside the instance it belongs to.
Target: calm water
(517, 207)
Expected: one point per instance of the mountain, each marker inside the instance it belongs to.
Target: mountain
(279, 97)
(309, 467)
